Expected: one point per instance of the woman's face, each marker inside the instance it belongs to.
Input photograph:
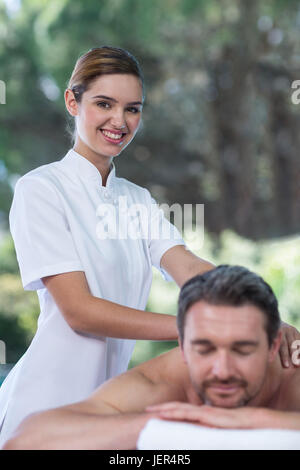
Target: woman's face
(109, 114)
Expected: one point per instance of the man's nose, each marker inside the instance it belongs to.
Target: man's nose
(223, 365)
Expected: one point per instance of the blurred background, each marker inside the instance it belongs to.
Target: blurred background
(219, 128)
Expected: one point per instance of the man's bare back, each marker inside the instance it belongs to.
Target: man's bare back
(115, 414)
(166, 378)
(226, 373)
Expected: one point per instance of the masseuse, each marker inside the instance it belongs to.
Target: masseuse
(92, 281)
(91, 277)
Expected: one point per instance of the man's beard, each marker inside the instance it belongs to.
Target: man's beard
(206, 385)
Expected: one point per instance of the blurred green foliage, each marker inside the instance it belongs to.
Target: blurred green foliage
(219, 124)
(19, 310)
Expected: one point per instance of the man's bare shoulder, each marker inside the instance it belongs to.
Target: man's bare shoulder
(167, 367)
(157, 380)
(290, 392)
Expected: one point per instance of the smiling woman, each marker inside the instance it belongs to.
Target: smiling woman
(106, 123)
(111, 62)
(107, 106)
(92, 290)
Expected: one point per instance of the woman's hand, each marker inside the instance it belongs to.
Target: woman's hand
(238, 418)
(286, 351)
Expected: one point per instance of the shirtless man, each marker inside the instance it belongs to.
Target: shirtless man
(226, 373)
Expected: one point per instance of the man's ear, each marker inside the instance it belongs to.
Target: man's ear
(71, 103)
(275, 346)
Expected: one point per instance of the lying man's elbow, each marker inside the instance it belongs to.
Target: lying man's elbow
(27, 436)
(16, 443)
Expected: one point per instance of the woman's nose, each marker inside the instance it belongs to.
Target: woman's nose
(118, 120)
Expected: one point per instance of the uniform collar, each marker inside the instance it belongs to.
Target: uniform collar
(87, 170)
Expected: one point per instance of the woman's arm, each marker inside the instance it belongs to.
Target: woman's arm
(182, 264)
(89, 314)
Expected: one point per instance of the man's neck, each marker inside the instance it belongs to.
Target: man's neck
(277, 387)
(269, 394)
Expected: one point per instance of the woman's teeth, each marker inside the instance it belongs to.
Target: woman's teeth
(112, 136)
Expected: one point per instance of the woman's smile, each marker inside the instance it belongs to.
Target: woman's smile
(112, 136)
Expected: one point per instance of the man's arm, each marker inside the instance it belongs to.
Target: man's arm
(235, 418)
(113, 416)
(70, 428)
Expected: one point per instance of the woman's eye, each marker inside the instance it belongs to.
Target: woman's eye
(103, 104)
(133, 110)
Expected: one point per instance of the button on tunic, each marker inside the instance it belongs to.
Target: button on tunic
(57, 223)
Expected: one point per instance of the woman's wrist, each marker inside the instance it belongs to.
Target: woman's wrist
(162, 327)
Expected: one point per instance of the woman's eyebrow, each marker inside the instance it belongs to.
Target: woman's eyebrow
(114, 100)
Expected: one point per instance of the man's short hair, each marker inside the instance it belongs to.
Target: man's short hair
(230, 285)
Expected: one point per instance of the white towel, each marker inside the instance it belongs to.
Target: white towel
(172, 435)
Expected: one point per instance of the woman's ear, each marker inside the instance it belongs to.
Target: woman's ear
(71, 103)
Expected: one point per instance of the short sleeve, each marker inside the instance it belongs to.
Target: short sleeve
(162, 236)
(43, 241)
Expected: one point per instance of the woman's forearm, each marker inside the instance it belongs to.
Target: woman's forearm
(104, 318)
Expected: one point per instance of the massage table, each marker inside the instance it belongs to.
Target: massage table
(161, 435)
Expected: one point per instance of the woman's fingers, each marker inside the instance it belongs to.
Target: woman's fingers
(287, 349)
(284, 351)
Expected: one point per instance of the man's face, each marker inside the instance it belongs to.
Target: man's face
(227, 353)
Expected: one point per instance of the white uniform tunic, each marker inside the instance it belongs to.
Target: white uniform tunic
(57, 223)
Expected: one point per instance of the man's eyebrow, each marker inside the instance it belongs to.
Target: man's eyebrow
(115, 101)
(246, 343)
(206, 342)
(203, 342)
